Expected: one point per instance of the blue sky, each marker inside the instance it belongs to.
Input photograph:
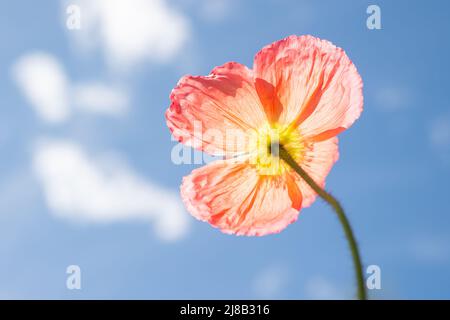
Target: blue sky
(88, 179)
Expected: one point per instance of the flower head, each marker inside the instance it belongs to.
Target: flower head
(301, 93)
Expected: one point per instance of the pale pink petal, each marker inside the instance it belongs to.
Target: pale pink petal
(205, 110)
(315, 85)
(234, 198)
(317, 162)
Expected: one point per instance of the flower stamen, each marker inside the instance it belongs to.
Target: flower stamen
(266, 148)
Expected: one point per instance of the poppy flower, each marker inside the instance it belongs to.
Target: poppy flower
(301, 93)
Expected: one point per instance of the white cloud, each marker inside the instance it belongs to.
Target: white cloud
(439, 135)
(432, 248)
(270, 282)
(79, 187)
(319, 288)
(132, 31)
(216, 10)
(393, 98)
(43, 81)
(440, 132)
(99, 98)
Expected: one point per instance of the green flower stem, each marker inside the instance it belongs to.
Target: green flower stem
(341, 215)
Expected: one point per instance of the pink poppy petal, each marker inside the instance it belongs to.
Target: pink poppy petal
(317, 162)
(205, 109)
(317, 85)
(234, 198)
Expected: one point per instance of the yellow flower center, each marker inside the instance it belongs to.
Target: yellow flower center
(266, 146)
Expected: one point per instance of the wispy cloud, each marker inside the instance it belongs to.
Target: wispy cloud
(393, 98)
(270, 282)
(82, 188)
(320, 288)
(216, 10)
(440, 133)
(54, 97)
(439, 137)
(133, 31)
(432, 248)
(98, 98)
(44, 83)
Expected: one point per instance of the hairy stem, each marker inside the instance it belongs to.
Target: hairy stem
(283, 154)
